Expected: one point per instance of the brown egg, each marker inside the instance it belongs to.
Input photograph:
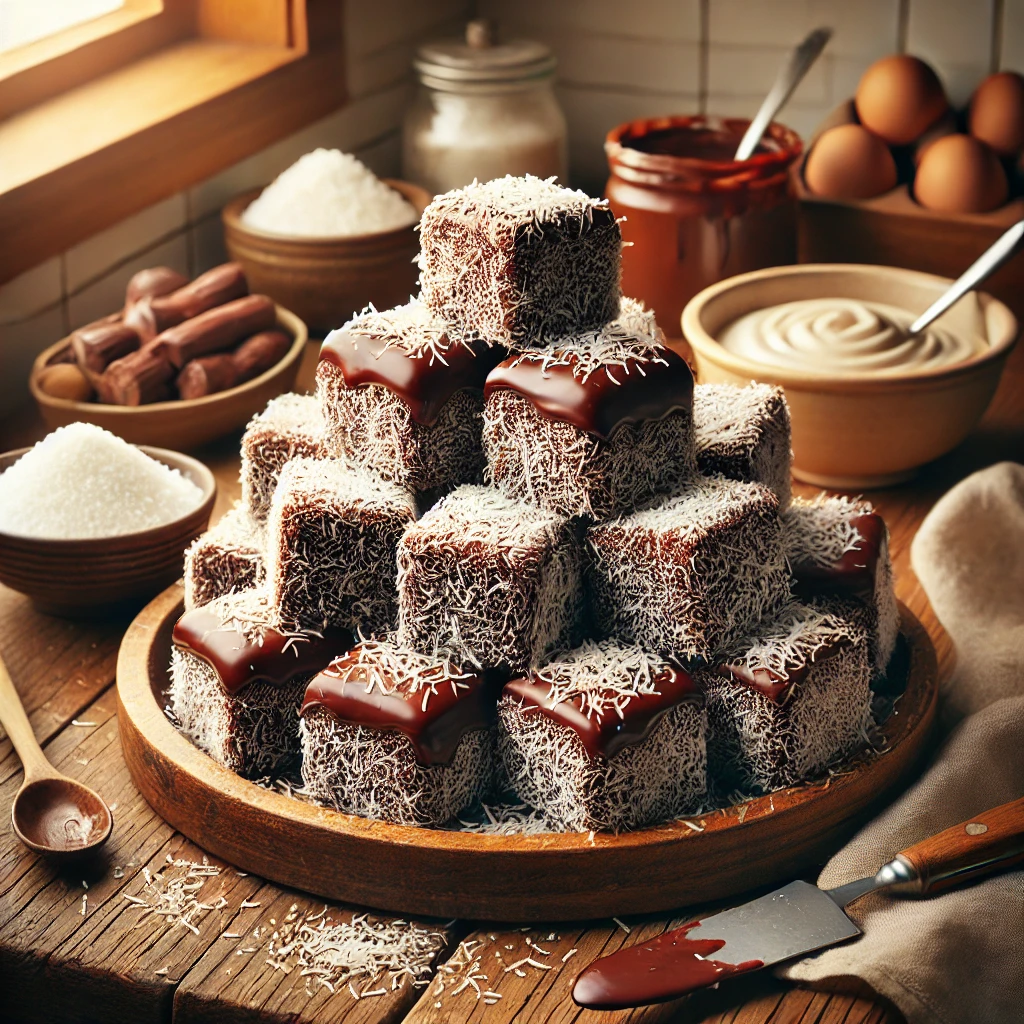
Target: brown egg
(848, 162)
(899, 98)
(959, 174)
(65, 380)
(946, 125)
(997, 113)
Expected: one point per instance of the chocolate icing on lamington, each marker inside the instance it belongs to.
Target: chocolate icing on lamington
(398, 736)
(744, 433)
(237, 680)
(521, 262)
(228, 557)
(404, 398)
(691, 573)
(595, 425)
(332, 535)
(840, 546)
(289, 427)
(492, 581)
(605, 737)
(789, 700)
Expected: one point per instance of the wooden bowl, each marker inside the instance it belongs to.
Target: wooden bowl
(328, 280)
(86, 577)
(185, 423)
(854, 432)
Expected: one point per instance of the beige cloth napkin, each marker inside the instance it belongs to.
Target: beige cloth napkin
(957, 958)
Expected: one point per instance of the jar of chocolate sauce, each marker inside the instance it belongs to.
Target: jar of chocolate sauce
(694, 215)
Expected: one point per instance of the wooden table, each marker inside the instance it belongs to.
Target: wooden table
(67, 959)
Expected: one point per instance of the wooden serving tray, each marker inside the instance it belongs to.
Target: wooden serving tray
(550, 877)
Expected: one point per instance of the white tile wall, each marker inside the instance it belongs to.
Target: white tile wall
(956, 38)
(618, 61)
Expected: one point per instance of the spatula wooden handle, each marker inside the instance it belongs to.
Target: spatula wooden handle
(993, 841)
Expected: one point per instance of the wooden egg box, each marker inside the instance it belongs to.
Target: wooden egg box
(894, 230)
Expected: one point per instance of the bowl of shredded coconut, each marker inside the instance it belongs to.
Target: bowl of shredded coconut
(88, 521)
(327, 237)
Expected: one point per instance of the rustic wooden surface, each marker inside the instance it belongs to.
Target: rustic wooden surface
(57, 965)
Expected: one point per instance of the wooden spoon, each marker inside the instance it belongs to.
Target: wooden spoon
(51, 814)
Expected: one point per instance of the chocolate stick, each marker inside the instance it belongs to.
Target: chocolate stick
(216, 329)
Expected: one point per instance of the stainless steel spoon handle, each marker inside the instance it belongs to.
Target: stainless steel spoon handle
(789, 77)
(1007, 245)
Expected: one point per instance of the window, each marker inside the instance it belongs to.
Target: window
(25, 21)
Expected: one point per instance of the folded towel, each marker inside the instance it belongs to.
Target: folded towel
(956, 958)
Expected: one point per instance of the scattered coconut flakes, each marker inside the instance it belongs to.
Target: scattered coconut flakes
(507, 820)
(625, 927)
(381, 954)
(693, 825)
(176, 898)
(83, 725)
(568, 956)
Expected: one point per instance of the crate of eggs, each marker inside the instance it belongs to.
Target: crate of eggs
(897, 176)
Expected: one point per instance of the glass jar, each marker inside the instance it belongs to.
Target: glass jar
(693, 214)
(483, 110)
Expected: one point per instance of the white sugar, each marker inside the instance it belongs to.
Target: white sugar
(328, 193)
(81, 481)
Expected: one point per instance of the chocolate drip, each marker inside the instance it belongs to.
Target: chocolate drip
(667, 967)
(434, 730)
(599, 404)
(424, 383)
(855, 573)
(276, 660)
(606, 735)
(774, 685)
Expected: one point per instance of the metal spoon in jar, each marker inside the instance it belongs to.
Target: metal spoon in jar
(51, 814)
(1006, 245)
(789, 77)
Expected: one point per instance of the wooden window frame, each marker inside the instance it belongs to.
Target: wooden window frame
(108, 117)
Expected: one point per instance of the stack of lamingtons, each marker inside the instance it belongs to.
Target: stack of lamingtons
(572, 575)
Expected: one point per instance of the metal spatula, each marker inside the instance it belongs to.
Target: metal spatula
(796, 919)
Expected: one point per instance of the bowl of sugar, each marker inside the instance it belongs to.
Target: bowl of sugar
(328, 237)
(89, 522)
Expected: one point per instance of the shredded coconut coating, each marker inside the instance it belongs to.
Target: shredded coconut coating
(761, 745)
(226, 558)
(819, 532)
(604, 674)
(371, 426)
(374, 772)
(290, 427)
(556, 466)
(688, 575)
(645, 783)
(410, 327)
(331, 538)
(744, 433)
(494, 582)
(520, 262)
(627, 344)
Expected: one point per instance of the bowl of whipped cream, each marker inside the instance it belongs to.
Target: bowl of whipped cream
(870, 403)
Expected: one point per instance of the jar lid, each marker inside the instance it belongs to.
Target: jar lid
(479, 58)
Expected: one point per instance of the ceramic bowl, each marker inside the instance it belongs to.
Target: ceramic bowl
(327, 280)
(183, 424)
(856, 432)
(86, 577)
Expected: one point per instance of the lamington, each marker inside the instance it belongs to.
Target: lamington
(520, 262)
(693, 572)
(331, 540)
(606, 737)
(595, 425)
(789, 700)
(400, 396)
(290, 427)
(397, 736)
(744, 433)
(493, 582)
(238, 677)
(228, 557)
(840, 546)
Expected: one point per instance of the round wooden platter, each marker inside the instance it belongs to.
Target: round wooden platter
(548, 877)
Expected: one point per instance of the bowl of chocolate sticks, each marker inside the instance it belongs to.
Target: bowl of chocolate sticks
(182, 363)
